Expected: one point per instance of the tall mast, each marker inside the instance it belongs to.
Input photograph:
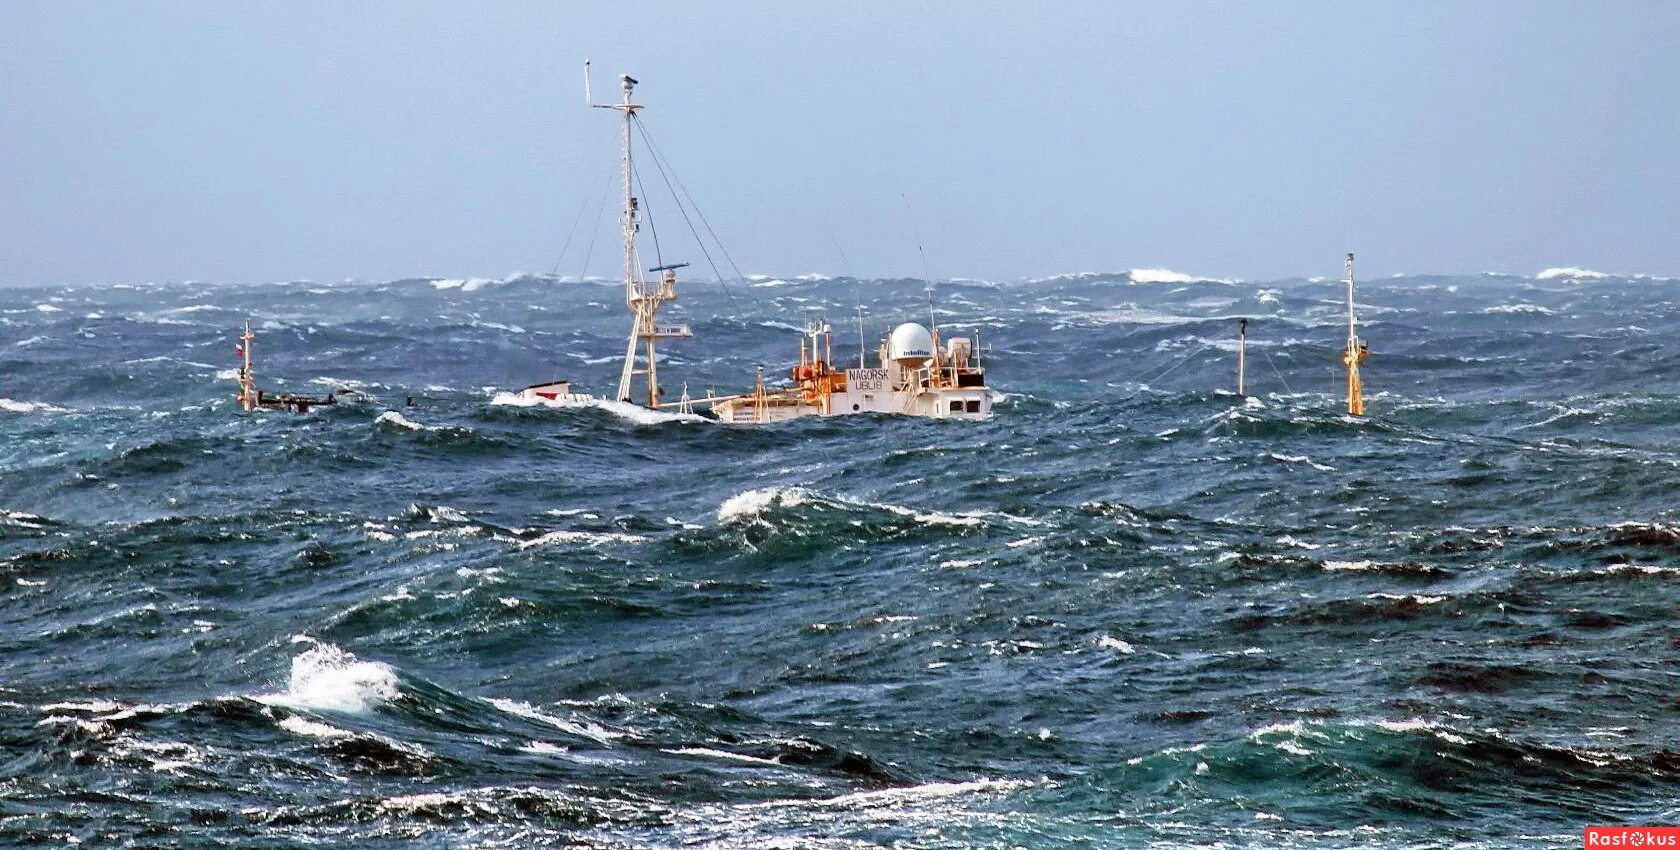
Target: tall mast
(1356, 351)
(642, 298)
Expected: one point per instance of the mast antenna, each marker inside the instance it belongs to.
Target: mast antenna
(927, 279)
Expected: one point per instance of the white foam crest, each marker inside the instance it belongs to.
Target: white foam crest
(1570, 273)
(34, 340)
(1170, 276)
(1301, 459)
(48, 308)
(919, 793)
(391, 417)
(929, 518)
(312, 728)
(588, 538)
(31, 406)
(708, 752)
(328, 678)
(1116, 644)
(1350, 566)
(593, 731)
(1407, 597)
(1519, 308)
(465, 284)
(751, 503)
(622, 409)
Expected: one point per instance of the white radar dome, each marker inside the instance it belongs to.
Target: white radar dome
(910, 345)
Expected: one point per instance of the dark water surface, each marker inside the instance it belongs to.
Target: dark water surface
(1130, 610)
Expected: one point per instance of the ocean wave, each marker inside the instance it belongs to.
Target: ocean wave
(1131, 276)
(328, 678)
(753, 505)
(1570, 273)
(31, 406)
(588, 538)
(1170, 276)
(1371, 771)
(1519, 308)
(580, 727)
(395, 419)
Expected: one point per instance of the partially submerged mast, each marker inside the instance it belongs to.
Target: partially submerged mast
(1355, 353)
(1242, 353)
(643, 298)
(251, 398)
(248, 397)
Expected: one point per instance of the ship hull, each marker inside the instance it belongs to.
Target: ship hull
(969, 403)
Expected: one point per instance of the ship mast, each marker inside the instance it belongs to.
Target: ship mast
(1355, 353)
(640, 296)
(247, 384)
(1242, 353)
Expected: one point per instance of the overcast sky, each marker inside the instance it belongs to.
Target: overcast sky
(255, 142)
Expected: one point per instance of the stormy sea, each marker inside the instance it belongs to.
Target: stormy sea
(1132, 609)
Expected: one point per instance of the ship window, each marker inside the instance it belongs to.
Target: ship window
(974, 406)
(854, 408)
(956, 407)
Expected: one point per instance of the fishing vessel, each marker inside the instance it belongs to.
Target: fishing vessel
(252, 398)
(917, 373)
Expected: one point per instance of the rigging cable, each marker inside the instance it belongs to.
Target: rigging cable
(600, 211)
(857, 295)
(582, 208)
(1162, 374)
(668, 174)
(927, 279)
(647, 208)
(1276, 372)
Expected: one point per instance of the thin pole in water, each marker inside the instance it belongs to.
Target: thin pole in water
(1242, 354)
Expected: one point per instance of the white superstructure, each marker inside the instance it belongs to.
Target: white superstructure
(912, 377)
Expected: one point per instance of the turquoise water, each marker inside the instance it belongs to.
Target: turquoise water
(1130, 610)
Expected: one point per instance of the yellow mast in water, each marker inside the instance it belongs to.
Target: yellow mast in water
(1355, 353)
